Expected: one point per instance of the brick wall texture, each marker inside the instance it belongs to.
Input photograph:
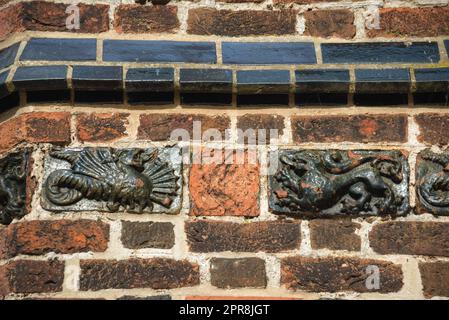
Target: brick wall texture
(227, 241)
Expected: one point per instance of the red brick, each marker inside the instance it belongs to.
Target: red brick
(35, 127)
(138, 235)
(102, 127)
(433, 128)
(224, 189)
(60, 236)
(334, 235)
(158, 127)
(332, 274)
(256, 122)
(356, 128)
(135, 18)
(238, 273)
(330, 23)
(218, 236)
(412, 22)
(414, 238)
(49, 16)
(435, 278)
(11, 21)
(207, 21)
(137, 273)
(25, 276)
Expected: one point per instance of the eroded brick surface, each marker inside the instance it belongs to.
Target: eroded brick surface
(334, 235)
(101, 126)
(238, 273)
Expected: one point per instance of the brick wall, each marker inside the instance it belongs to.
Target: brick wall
(329, 82)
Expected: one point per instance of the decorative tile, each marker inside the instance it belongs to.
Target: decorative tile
(60, 49)
(324, 183)
(159, 51)
(8, 55)
(380, 52)
(14, 169)
(268, 53)
(107, 179)
(40, 78)
(432, 182)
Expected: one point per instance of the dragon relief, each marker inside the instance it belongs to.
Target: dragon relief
(134, 179)
(13, 176)
(432, 182)
(332, 182)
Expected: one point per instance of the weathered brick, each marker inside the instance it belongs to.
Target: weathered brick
(135, 18)
(330, 23)
(334, 235)
(255, 122)
(221, 189)
(49, 16)
(137, 235)
(60, 236)
(101, 126)
(26, 276)
(411, 237)
(238, 273)
(433, 128)
(158, 127)
(137, 273)
(435, 278)
(217, 236)
(11, 21)
(356, 128)
(330, 274)
(412, 22)
(35, 127)
(207, 21)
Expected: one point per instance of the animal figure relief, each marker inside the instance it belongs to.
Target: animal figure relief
(432, 179)
(312, 182)
(134, 179)
(13, 172)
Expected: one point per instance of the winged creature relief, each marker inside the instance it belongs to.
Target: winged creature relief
(432, 180)
(13, 172)
(134, 179)
(313, 182)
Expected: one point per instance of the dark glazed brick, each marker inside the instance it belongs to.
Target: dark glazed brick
(382, 80)
(380, 99)
(3, 87)
(56, 96)
(138, 235)
(263, 81)
(26, 276)
(40, 78)
(424, 52)
(322, 81)
(440, 99)
(11, 101)
(150, 79)
(357, 128)
(238, 273)
(97, 78)
(414, 238)
(330, 274)
(334, 235)
(321, 99)
(432, 80)
(159, 51)
(206, 80)
(260, 100)
(60, 49)
(446, 43)
(155, 273)
(433, 128)
(435, 277)
(206, 98)
(8, 55)
(155, 98)
(268, 53)
(217, 236)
